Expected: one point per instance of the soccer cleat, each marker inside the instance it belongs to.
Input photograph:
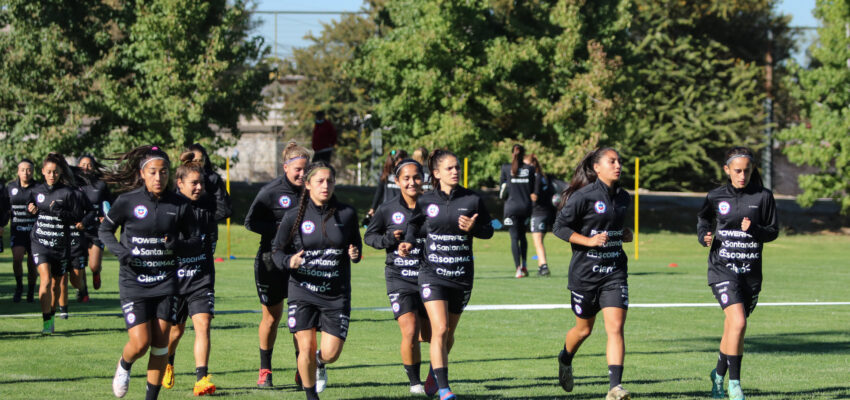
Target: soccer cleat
(518, 273)
(431, 383)
(417, 389)
(121, 381)
(716, 385)
(321, 379)
(565, 374)
(265, 379)
(543, 270)
(168, 377)
(85, 299)
(204, 386)
(447, 395)
(49, 326)
(524, 271)
(735, 391)
(618, 393)
(95, 280)
(63, 312)
(16, 298)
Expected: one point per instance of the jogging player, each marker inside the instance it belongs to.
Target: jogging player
(735, 221)
(156, 226)
(542, 213)
(195, 277)
(591, 217)
(451, 215)
(100, 198)
(386, 231)
(317, 244)
(517, 188)
(387, 187)
(54, 203)
(20, 229)
(274, 200)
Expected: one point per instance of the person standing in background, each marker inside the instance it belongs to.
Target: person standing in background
(324, 138)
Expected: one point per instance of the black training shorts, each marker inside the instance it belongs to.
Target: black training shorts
(587, 303)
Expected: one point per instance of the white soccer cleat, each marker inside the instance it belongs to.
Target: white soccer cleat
(321, 379)
(121, 381)
(417, 389)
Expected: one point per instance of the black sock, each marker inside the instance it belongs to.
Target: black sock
(152, 391)
(442, 375)
(566, 357)
(266, 359)
(46, 316)
(722, 364)
(31, 288)
(319, 363)
(200, 372)
(615, 374)
(311, 393)
(171, 360)
(735, 367)
(19, 282)
(126, 365)
(413, 372)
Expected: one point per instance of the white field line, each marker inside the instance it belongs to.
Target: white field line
(489, 307)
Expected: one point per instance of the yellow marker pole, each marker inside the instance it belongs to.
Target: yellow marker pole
(227, 172)
(637, 204)
(465, 170)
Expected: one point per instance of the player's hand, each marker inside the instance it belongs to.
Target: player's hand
(466, 223)
(707, 239)
(745, 224)
(32, 208)
(398, 234)
(296, 260)
(533, 197)
(628, 235)
(80, 226)
(404, 249)
(598, 240)
(353, 253)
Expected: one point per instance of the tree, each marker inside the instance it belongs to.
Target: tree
(822, 140)
(328, 85)
(104, 76)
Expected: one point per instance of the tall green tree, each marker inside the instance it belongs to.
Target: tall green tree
(822, 139)
(103, 76)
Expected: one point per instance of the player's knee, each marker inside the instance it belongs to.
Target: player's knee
(582, 331)
(738, 324)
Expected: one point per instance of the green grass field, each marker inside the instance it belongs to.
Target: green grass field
(792, 352)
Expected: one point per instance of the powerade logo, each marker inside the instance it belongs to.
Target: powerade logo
(40, 197)
(285, 201)
(432, 210)
(724, 207)
(600, 207)
(308, 227)
(140, 211)
(398, 218)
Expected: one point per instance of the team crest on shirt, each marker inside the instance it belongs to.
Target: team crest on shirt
(724, 207)
(724, 298)
(291, 322)
(600, 207)
(140, 211)
(285, 201)
(433, 210)
(14, 191)
(308, 227)
(40, 198)
(131, 318)
(398, 218)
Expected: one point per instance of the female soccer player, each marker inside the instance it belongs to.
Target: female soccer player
(387, 187)
(273, 201)
(78, 254)
(453, 215)
(386, 231)
(742, 215)
(542, 213)
(99, 196)
(215, 191)
(20, 228)
(55, 205)
(420, 155)
(317, 244)
(156, 226)
(517, 186)
(195, 277)
(591, 217)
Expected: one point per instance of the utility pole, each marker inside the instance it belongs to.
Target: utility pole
(767, 153)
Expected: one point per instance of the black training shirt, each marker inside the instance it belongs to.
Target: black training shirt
(19, 197)
(385, 191)
(389, 217)
(58, 210)
(271, 204)
(520, 188)
(593, 209)
(196, 269)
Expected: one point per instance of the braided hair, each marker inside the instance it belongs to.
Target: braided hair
(126, 175)
(305, 197)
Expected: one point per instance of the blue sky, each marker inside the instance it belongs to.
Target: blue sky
(292, 28)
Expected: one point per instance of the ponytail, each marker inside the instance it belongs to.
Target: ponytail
(518, 153)
(66, 176)
(584, 173)
(389, 165)
(536, 164)
(293, 151)
(126, 174)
